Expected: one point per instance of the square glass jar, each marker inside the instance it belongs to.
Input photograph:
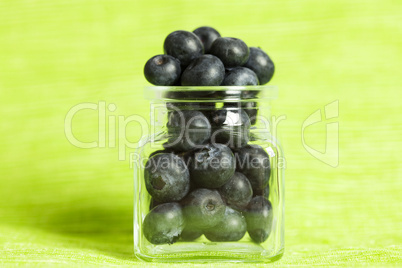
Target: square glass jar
(260, 133)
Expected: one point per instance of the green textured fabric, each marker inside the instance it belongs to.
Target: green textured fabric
(63, 205)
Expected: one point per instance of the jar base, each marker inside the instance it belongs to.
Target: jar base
(209, 252)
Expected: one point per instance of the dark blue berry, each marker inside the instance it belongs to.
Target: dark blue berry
(237, 192)
(233, 52)
(184, 46)
(253, 162)
(212, 166)
(203, 208)
(232, 227)
(164, 151)
(207, 36)
(264, 192)
(206, 70)
(174, 106)
(261, 64)
(205, 107)
(190, 233)
(176, 102)
(163, 224)
(187, 130)
(251, 109)
(259, 217)
(162, 70)
(174, 95)
(230, 126)
(240, 76)
(166, 177)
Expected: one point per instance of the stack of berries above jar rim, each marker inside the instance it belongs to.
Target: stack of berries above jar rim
(204, 58)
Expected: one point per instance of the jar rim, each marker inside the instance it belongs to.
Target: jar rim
(206, 92)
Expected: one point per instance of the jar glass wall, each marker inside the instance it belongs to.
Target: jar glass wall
(236, 120)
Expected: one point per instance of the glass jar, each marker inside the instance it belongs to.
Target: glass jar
(186, 208)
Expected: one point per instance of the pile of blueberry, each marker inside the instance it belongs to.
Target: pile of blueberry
(208, 180)
(204, 58)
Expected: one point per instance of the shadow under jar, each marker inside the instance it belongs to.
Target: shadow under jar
(209, 179)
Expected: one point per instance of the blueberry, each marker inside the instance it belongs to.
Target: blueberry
(264, 192)
(233, 52)
(261, 64)
(251, 109)
(184, 46)
(212, 166)
(166, 177)
(232, 94)
(206, 70)
(259, 217)
(227, 94)
(207, 36)
(195, 94)
(203, 208)
(190, 95)
(230, 126)
(174, 106)
(232, 227)
(207, 108)
(253, 162)
(187, 130)
(185, 155)
(171, 94)
(250, 94)
(176, 102)
(162, 70)
(182, 106)
(190, 233)
(163, 224)
(237, 192)
(240, 76)
(164, 151)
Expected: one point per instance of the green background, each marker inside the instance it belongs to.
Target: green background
(60, 204)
